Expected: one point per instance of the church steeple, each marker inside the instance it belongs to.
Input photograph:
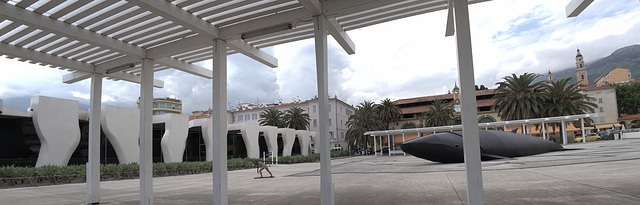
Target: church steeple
(549, 76)
(581, 71)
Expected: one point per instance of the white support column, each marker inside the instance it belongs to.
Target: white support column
(320, 33)
(219, 117)
(524, 129)
(504, 127)
(582, 128)
(471, 139)
(564, 133)
(404, 153)
(93, 166)
(146, 132)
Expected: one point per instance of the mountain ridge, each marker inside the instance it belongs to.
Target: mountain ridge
(627, 57)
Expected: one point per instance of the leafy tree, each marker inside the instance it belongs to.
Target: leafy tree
(481, 87)
(272, 117)
(441, 114)
(628, 98)
(518, 97)
(296, 118)
(364, 119)
(388, 112)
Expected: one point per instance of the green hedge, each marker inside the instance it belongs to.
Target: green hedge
(11, 176)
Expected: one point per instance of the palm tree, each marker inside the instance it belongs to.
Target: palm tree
(518, 97)
(563, 98)
(441, 114)
(363, 119)
(296, 118)
(272, 117)
(388, 112)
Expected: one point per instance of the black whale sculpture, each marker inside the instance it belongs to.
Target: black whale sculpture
(447, 147)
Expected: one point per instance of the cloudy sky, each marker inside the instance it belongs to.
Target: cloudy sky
(400, 59)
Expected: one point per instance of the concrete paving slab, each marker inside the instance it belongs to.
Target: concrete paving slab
(603, 172)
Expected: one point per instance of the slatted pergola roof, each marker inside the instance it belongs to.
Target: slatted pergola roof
(130, 40)
(111, 36)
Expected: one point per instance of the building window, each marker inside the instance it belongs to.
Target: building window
(162, 105)
(590, 92)
(599, 100)
(601, 119)
(329, 107)
(340, 122)
(233, 118)
(607, 91)
(329, 121)
(340, 109)
(246, 117)
(254, 116)
(239, 118)
(155, 105)
(594, 119)
(601, 109)
(315, 122)
(341, 135)
(314, 108)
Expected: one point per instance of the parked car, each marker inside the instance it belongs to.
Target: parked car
(605, 135)
(589, 137)
(336, 149)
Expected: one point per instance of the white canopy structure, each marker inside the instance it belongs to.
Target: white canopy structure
(130, 40)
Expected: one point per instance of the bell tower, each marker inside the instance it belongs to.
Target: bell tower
(549, 77)
(581, 71)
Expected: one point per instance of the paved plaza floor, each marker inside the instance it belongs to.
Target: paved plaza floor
(603, 172)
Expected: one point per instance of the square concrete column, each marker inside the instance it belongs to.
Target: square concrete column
(471, 139)
(320, 33)
(219, 117)
(146, 132)
(93, 166)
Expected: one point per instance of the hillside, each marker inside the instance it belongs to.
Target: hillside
(626, 57)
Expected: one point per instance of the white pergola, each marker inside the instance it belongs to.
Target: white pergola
(130, 40)
(543, 122)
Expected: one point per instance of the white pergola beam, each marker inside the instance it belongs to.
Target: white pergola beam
(45, 58)
(79, 75)
(180, 46)
(75, 77)
(177, 15)
(186, 67)
(313, 6)
(341, 36)
(83, 70)
(253, 52)
(288, 17)
(35, 20)
(575, 7)
(103, 67)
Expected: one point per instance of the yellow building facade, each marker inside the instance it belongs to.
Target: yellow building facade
(166, 105)
(617, 76)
